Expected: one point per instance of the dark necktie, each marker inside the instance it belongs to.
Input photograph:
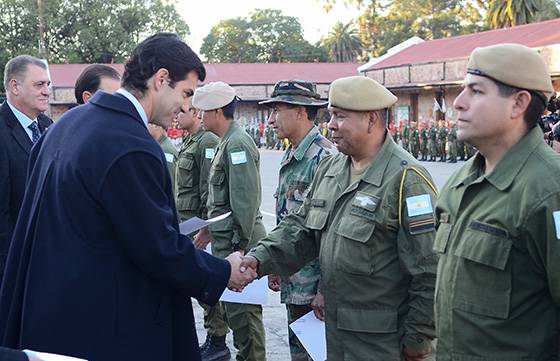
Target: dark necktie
(35, 131)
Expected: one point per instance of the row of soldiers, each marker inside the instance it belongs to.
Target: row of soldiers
(433, 142)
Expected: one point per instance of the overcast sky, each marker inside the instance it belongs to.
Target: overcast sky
(201, 15)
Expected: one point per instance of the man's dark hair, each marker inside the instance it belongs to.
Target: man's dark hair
(536, 107)
(161, 50)
(229, 109)
(90, 79)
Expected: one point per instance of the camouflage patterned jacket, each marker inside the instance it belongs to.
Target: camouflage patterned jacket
(296, 173)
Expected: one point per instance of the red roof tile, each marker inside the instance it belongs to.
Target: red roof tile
(532, 35)
(65, 75)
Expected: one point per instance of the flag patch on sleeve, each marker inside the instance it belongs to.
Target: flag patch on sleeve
(209, 153)
(238, 157)
(419, 205)
(556, 216)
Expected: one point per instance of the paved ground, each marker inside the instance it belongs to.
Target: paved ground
(274, 313)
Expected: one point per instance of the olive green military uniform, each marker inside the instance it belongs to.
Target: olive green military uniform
(498, 289)
(191, 187)
(397, 136)
(414, 141)
(378, 273)
(296, 173)
(425, 136)
(452, 142)
(234, 185)
(405, 137)
(432, 143)
(461, 153)
(170, 152)
(442, 142)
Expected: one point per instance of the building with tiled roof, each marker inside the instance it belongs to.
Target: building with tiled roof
(427, 71)
(253, 81)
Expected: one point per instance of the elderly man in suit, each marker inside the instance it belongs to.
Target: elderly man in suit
(21, 123)
(97, 268)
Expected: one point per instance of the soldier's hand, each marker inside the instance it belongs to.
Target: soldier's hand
(201, 239)
(274, 282)
(238, 279)
(318, 305)
(410, 355)
(249, 262)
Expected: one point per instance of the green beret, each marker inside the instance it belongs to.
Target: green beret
(359, 93)
(514, 65)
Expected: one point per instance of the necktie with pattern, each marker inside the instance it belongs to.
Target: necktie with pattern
(35, 131)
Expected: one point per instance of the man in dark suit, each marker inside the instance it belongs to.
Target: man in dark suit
(97, 268)
(21, 123)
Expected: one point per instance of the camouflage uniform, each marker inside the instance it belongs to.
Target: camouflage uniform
(405, 136)
(442, 141)
(425, 136)
(413, 141)
(397, 136)
(296, 173)
(235, 185)
(432, 142)
(191, 186)
(452, 141)
(461, 150)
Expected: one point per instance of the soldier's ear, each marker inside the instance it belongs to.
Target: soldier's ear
(373, 119)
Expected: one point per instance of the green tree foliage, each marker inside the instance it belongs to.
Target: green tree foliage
(265, 36)
(343, 43)
(506, 13)
(83, 31)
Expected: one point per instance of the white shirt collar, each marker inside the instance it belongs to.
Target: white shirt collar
(23, 119)
(136, 104)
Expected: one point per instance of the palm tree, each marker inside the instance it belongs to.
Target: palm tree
(343, 43)
(505, 13)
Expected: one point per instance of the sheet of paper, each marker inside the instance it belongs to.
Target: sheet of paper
(43, 356)
(256, 293)
(194, 224)
(311, 333)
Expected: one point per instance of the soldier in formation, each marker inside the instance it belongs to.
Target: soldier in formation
(414, 140)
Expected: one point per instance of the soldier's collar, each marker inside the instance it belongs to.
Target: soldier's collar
(510, 165)
(306, 143)
(378, 165)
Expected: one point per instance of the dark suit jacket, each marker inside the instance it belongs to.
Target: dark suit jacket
(97, 268)
(15, 146)
(12, 355)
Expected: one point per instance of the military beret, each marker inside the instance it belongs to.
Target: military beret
(359, 93)
(512, 64)
(214, 95)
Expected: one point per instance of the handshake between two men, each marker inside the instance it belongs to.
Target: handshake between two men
(243, 271)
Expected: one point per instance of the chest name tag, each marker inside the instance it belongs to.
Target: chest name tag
(238, 157)
(209, 153)
(419, 205)
(169, 157)
(556, 216)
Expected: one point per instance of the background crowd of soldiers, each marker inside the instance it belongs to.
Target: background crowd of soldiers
(436, 142)
(265, 136)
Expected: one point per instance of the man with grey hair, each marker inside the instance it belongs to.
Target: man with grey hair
(21, 123)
